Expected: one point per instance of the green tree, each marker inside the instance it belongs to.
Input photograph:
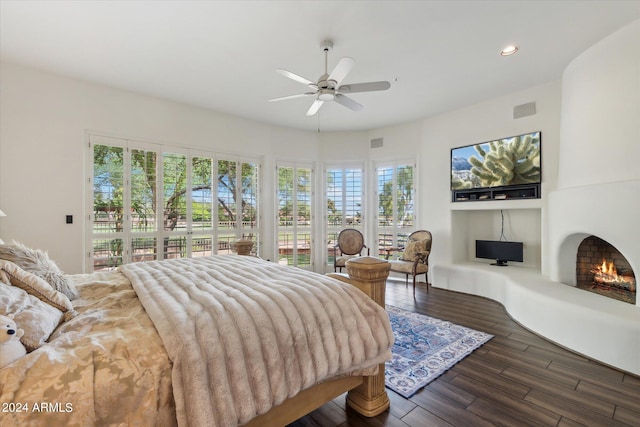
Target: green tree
(333, 215)
(286, 186)
(109, 187)
(385, 202)
(403, 193)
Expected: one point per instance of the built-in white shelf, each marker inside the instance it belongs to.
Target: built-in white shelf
(486, 205)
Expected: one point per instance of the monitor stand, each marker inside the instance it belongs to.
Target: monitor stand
(500, 263)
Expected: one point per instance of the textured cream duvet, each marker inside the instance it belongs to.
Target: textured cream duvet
(106, 366)
(233, 337)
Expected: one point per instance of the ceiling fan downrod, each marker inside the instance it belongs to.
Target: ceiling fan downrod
(326, 90)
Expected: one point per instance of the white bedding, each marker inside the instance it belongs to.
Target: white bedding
(245, 334)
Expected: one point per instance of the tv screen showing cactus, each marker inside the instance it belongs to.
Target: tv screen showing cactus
(508, 161)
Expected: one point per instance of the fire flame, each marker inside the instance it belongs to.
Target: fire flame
(608, 269)
(607, 273)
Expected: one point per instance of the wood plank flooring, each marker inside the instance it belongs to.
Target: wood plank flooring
(516, 379)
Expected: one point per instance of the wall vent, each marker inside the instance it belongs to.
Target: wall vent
(376, 143)
(524, 110)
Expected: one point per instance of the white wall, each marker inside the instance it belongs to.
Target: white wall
(42, 154)
(454, 231)
(343, 146)
(44, 118)
(601, 112)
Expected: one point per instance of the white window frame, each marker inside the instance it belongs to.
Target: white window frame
(329, 229)
(398, 231)
(296, 229)
(127, 235)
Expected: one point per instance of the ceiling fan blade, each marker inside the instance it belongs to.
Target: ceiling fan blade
(364, 87)
(314, 107)
(342, 69)
(300, 95)
(295, 77)
(348, 102)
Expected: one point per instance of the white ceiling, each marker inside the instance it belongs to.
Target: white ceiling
(222, 55)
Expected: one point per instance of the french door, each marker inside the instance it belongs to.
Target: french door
(152, 202)
(294, 230)
(396, 203)
(345, 203)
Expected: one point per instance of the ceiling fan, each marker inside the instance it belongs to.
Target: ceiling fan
(328, 87)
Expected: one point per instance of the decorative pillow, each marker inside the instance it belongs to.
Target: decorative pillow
(412, 248)
(33, 285)
(37, 262)
(36, 318)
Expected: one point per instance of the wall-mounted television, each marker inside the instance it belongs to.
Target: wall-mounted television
(500, 163)
(499, 250)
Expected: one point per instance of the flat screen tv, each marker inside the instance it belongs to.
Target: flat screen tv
(501, 163)
(501, 251)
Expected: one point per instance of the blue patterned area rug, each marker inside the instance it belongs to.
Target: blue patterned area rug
(425, 348)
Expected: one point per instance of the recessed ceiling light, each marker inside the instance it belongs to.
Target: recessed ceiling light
(509, 50)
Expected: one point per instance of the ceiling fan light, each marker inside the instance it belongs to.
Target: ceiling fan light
(326, 95)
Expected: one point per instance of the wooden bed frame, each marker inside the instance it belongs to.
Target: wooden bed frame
(367, 394)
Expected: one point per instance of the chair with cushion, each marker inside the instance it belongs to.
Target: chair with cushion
(350, 245)
(414, 260)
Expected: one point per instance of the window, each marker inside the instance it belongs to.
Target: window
(345, 197)
(294, 214)
(203, 206)
(150, 202)
(143, 226)
(396, 200)
(108, 206)
(237, 204)
(174, 203)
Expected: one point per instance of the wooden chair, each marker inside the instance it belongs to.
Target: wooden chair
(350, 244)
(414, 260)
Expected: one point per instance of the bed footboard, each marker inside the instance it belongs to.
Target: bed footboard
(369, 274)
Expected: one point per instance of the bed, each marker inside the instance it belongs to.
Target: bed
(216, 341)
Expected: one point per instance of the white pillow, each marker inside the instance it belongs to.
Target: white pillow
(37, 318)
(37, 262)
(34, 285)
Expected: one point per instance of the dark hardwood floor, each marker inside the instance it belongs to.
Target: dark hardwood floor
(516, 379)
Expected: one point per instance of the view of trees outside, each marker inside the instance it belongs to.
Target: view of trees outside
(108, 204)
(294, 215)
(126, 199)
(344, 203)
(395, 205)
(149, 204)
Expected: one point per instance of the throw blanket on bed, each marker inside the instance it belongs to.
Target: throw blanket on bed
(245, 334)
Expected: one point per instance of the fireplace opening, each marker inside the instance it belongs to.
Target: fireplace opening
(602, 269)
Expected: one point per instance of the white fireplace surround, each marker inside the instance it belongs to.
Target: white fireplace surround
(606, 211)
(599, 180)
